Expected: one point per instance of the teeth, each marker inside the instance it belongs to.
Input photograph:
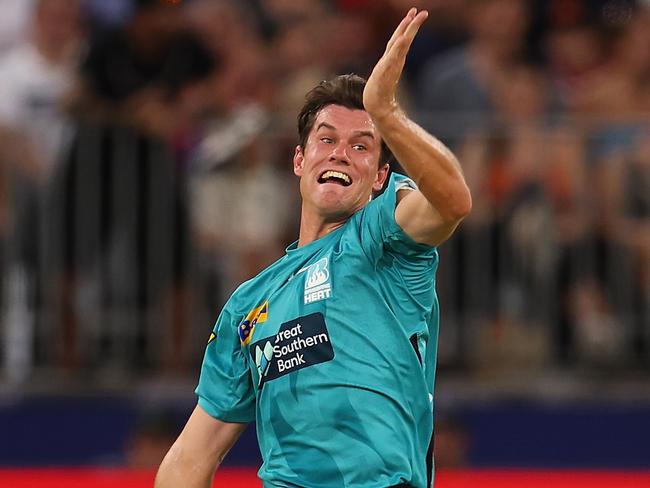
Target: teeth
(336, 174)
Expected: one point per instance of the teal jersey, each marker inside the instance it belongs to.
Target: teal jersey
(332, 351)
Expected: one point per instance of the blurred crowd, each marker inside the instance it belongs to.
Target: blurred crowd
(145, 169)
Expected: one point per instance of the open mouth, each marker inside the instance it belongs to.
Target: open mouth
(335, 177)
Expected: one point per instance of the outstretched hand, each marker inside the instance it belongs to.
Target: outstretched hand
(379, 93)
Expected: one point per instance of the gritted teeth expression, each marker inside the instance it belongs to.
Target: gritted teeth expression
(336, 177)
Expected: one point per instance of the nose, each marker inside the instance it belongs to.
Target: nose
(339, 153)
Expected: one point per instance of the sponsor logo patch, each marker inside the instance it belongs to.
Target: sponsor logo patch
(256, 316)
(318, 285)
(299, 343)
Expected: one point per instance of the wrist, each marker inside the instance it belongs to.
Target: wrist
(387, 114)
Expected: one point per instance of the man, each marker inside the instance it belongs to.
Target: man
(332, 348)
(36, 76)
(459, 89)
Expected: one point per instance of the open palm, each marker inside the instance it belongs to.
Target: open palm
(379, 93)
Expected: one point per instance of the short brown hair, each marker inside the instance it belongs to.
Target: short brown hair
(343, 90)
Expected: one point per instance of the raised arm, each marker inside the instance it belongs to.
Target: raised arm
(431, 214)
(197, 453)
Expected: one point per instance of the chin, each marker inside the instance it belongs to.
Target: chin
(340, 210)
(333, 205)
(337, 203)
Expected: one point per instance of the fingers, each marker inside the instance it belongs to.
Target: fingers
(407, 28)
(401, 28)
(415, 25)
(380, 88)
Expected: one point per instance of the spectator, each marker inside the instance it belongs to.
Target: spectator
(559, 194)
(122, 236)
(36, 76)
(456, 91)
(241, 237)
(576, 50)
(243, 78)
(228, 161)
(149, 72)
(300, 30)
(617, 85)
(606, 76)
(623, 208)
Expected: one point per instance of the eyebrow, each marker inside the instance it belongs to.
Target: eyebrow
(326, 125)
(364, 133)
(358, 133)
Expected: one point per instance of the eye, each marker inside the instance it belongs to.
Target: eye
(358, 147)
(326, 140)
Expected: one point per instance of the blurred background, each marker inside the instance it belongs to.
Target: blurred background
(145, 171)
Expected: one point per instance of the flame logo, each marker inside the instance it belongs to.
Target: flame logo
(318, 274)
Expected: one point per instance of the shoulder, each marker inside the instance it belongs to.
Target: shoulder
(375, 229)
(387, 199)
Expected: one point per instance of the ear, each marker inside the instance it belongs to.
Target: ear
(298, 161)
(381, 176)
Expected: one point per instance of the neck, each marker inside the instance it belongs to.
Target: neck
(313, 226)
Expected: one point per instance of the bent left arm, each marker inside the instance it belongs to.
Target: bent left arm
(431, 214)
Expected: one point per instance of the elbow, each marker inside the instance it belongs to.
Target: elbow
(465, 206)
(460, 205)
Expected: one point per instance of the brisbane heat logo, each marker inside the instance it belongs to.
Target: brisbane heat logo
(318, 285)
(254, 317)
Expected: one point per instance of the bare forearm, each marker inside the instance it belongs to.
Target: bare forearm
(428, 161)
(180, 469)
(193, 459)
(430, 215)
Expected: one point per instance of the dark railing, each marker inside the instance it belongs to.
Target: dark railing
(119, 262)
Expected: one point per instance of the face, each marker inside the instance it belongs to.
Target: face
(338, 167)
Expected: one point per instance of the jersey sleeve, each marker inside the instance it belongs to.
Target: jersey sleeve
(225, 388)
(379, 232)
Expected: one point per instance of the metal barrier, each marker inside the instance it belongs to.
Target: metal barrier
(105, 269)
